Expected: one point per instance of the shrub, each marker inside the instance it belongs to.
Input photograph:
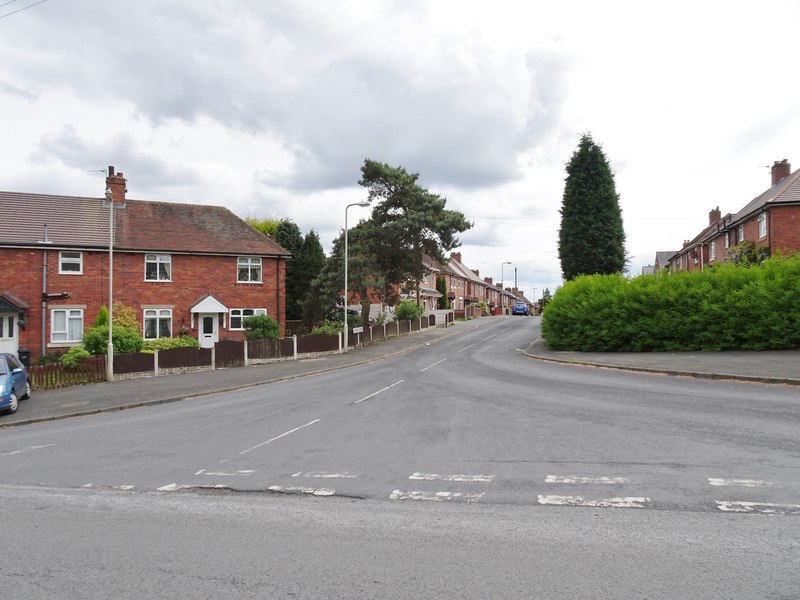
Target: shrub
(406, 310)
(484, 308)
(328, 327)
(124, 339)
(74, 356)
(261, 327)
(165, 343)
(727, 307)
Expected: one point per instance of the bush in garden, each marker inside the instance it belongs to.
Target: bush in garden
(165, 343)
(124, 339)
(328, 327)
(74, 356)
(261, 327)
(726, 307)
(405, 310)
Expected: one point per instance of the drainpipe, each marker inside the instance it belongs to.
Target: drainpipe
(44, 291)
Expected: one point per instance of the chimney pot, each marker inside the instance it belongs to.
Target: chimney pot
(780, 170)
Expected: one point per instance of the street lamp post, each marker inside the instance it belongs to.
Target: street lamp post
(364, 204)
(503, 287)
(110, 349)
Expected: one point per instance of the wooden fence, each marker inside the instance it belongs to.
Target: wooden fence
(266, 349)
(180, 358)
(54, 376)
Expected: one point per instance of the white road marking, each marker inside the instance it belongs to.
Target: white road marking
(433, 365)
(87, 485)
(488, 338)
(435, 497)
(174, 487)
(586, 480)
(27, 449)
(242, 473)
(466, 347)
(768, 508)
(123, 487)
(749, 483)
(169, 488)
(388, 387)
(437, 477)
(626, 502)
(302, 490)
(277, 437)
(324, 475)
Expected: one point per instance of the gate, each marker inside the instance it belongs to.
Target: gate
(228, 353)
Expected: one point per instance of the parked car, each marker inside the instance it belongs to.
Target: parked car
(15, 385)
(519, 308)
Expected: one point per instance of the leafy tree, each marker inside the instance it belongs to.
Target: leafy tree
(406, 310)
(591, 239)
(261, 327)
(125, 316)
(265, 226)
(124, 339)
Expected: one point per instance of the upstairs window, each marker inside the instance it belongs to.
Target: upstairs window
(712, 250)
(762, 225)
(727, 239)
(740, 234)
(157, 267)
(249, 270)
(70, 263)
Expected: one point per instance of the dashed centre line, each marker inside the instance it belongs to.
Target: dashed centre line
(302, 490)
(435, 496)
(388, 387)
(768, 508)
(324, 475)
(586, 480)
(26, 449)
(277, 437)
(437, 477)
(625, 502)
(748, 483)
(433, 365)
(242, 473)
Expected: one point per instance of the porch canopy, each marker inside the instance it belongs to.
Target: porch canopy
(209, 304)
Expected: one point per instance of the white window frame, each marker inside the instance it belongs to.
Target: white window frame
(762, 225)
(740, 234)
(712, 250)
(158, 314)
(727, 239)
(158, 260)
(239, 314)
(64, 260)
(249, 263)
(70, 315)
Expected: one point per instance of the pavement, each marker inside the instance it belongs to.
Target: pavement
(775, 367)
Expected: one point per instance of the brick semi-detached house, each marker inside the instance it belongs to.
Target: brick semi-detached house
(183, 268)
(771, 221)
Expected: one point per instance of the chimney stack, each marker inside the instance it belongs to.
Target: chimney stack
(780, 170)
(714, 216)
(456, 256)
(118, 186)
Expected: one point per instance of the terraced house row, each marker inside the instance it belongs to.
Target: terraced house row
(768, 224)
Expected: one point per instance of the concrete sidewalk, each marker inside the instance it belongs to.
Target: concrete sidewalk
(782, 367)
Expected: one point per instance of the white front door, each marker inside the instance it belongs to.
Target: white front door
(209, 330)
(9, 333)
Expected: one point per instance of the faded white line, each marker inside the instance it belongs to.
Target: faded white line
(768, 508)
(242, 473)
(466, 347)
(488, 338)
(626, 502)
(388, 387)
(748, 483)
(302, 490)
(174, 487)
(586, 480)
(433, 365)
(435, 496)
(325, 475)
(124, 488)
(437, 477)
(277, 437)
(27, 449)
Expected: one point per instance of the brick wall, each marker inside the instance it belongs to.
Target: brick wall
(784, 234)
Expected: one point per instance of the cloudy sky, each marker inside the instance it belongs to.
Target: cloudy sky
(269, 107)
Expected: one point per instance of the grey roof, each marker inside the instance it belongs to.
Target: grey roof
(140, 226)
(787, 190)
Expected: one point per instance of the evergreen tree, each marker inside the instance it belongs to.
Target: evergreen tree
(591, 238)
(288, 236)
(309, 263)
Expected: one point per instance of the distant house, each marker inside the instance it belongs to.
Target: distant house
(771, 222)
(183, 268)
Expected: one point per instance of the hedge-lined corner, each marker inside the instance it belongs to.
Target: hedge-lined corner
(726, 307)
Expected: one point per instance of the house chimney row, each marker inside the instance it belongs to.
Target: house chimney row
(780, 170)
(117, 183)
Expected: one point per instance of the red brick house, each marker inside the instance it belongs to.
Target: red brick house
(183, 268)
(771, 221)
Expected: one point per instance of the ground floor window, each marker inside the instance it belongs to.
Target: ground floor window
(67, 325)
(157, 323)
(238, 315)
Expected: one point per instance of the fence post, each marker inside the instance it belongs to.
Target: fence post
(155, 363)
(214, 357)
(246, 344)
(294, 343)
(340, 340)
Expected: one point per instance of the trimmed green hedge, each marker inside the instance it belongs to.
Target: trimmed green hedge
(726, 307)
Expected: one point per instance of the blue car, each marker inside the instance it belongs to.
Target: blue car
(519, 308)
(15, 385)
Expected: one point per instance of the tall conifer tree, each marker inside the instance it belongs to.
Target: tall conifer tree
(591, 238)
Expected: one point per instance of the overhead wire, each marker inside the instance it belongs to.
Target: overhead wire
(13, 12)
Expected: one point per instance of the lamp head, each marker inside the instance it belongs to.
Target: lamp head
(109, 194)
(364, 203)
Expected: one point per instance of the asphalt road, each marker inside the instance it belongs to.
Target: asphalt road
(466, 458)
